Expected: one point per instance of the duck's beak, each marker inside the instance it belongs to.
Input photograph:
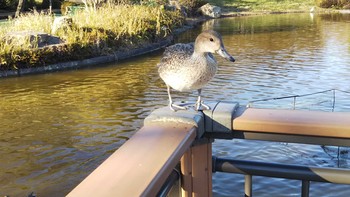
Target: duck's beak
(223, 53)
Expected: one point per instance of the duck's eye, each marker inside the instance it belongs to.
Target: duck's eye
(211, 40)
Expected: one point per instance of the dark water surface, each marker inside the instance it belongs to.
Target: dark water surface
(56, 128)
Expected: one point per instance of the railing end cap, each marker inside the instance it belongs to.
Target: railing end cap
(165, 116)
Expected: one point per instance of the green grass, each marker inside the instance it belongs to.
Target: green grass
(94, 33)
(265, 5)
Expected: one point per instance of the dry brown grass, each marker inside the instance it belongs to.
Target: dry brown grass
(101, 31)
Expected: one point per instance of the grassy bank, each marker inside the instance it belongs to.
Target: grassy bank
(93, 33)
(114, 28)
(279, 5)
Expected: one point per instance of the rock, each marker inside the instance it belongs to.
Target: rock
(62, 22)
(170, 8)
(210, 10)
(31, 38)
(175, 5)
(347, 7)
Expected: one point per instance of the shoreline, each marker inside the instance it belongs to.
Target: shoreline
(118, 55)
(190, 23)
(87, 62)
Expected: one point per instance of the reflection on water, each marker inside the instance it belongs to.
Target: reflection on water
(56, 128)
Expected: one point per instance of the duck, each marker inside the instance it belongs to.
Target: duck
(190, 66)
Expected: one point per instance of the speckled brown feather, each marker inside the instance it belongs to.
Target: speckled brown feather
(175, 55)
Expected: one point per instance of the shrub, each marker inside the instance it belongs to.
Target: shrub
(11, 5)
(8, 4)
(332, 3)
(192, 5)
(56, 4)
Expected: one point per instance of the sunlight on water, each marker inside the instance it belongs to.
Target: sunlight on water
(56, 128)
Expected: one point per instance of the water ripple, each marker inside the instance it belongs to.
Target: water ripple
(58, 127)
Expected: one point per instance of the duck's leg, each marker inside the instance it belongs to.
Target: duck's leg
(173, 106)
(199, 104)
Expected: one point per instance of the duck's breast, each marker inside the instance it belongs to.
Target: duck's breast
(204, 71)
(183, 70)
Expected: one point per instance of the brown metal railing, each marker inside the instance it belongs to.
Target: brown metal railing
(142, 165)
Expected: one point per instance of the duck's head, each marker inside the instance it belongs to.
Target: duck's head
(210, 42)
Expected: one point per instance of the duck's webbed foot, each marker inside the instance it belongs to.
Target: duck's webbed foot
(200, 106)
(175, 107)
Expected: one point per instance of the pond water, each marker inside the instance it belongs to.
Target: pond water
(56, 128)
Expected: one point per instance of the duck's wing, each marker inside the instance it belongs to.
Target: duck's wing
(176, 54)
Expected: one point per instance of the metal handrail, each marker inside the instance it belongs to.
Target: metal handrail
(169, 183)
(278, 170)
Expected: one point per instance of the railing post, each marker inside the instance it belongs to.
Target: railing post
(248, 189)
(196, 169)
(186, 172)
(196, 163)
(305, 188)
(202, 169)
